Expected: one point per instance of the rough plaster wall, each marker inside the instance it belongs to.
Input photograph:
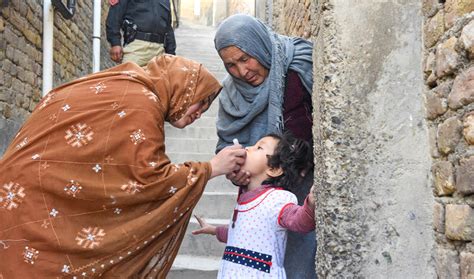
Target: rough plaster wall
(374, 198)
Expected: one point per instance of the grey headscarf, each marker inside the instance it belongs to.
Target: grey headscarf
(246, 112)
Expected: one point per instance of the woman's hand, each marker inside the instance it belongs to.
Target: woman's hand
(228, 160)
(205, 227)
(239, 178)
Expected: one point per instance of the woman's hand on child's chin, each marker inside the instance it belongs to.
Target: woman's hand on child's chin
(239, 178)
(205, 227)
(229, 159)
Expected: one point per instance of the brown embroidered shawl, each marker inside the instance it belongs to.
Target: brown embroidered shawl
(86, 188)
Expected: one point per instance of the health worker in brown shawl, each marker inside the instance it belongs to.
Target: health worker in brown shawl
(86, 189)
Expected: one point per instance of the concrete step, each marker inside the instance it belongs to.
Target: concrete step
(190, 145)
(218, 205)
(202, 245)
(221, 184)
(193, 267)
(192, 274)
(181, 157)
(199, 256)
(191, 132)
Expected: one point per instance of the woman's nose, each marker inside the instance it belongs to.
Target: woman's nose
(242, 71)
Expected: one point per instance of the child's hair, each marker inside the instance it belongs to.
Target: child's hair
(294, 156)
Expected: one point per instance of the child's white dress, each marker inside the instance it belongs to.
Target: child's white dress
(256, 244)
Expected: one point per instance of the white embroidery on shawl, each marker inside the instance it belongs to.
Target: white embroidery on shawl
(173, 190)
(99, 87)
(4, 242)
(12, 195)
(73, 188)
(65, 269)
(53, 212)
(44, 165)
(130, 73)
(45, 224)
(132, 187)
(122, 114)
(30, 255)
(192, 178)
(66, 107)
(152, 164)
(114, 201)
(22, 143)
(137, 137)
(90, 237)
(35, 157)
(114, 105)
(117, 211)
(79, 135)
(150, 95)
(97, 168)
(109, 159)
(47, 100)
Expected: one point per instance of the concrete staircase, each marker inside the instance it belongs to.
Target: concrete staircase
(199, 256)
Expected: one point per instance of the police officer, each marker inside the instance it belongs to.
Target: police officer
(146, 26)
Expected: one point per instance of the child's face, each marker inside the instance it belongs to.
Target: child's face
(256, 161)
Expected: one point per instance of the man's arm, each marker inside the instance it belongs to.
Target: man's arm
(114, 21)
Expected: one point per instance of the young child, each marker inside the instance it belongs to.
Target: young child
(256, 236)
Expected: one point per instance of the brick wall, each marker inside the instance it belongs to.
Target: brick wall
(449, 94)
(21, 28)
(292, 18)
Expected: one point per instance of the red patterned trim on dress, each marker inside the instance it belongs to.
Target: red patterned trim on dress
(281, 211)
(263, 192)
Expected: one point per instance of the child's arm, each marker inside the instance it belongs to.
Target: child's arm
(299, 218)
(220, 232)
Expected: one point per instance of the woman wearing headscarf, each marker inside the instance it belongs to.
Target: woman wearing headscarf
(86, 189)
(268, 90)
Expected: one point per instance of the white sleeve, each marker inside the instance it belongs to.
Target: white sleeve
(279, 200)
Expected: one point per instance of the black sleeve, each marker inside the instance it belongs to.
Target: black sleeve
(114, 21)
(170, 42)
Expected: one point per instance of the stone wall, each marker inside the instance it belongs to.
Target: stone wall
(374, 199)
(292, 18)
(21, 28)
(449, 93)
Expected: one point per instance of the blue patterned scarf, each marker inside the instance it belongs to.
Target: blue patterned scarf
(246, 112)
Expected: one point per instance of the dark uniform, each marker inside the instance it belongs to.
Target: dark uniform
(152, 18)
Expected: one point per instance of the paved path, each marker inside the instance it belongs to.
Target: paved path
(199, 256)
